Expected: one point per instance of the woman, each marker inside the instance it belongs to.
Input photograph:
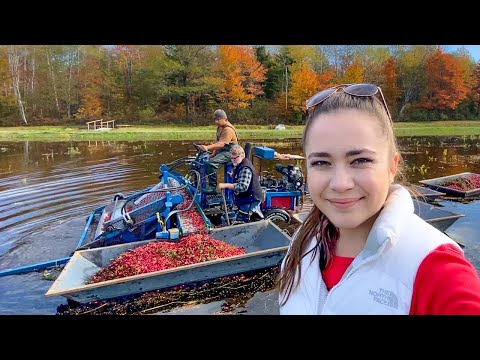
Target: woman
(362, 250)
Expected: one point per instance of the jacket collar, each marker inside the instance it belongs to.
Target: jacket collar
(390, 221)
(388, 224)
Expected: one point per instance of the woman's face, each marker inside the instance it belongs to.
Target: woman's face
(349, 167)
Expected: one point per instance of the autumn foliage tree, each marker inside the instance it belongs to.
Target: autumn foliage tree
(445, 82)
(476, 86)
(55, 84)
(241, 75)
(389, 83)
(90, 79)
(305, 83)
(353, 74)
(126, 57)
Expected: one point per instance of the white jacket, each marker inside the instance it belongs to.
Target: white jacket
(380, 279)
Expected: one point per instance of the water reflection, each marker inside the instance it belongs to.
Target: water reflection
(48, 189)
(430, 157)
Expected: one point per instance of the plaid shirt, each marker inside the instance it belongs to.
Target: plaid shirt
(244, 178)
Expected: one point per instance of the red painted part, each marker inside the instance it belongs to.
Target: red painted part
(284, 202)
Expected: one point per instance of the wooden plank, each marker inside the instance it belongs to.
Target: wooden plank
(106, 124)
(95, 124)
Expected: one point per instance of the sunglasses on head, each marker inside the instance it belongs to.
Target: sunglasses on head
(359, 90)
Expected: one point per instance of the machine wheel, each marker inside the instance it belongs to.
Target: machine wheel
(277, 214)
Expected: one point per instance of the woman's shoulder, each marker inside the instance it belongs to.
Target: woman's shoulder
(446, 283)
(445, 259)
(417, 229)
(445, 254)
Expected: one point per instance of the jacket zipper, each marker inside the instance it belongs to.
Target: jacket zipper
(373, 257)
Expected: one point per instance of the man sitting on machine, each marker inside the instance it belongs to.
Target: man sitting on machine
(248, 193)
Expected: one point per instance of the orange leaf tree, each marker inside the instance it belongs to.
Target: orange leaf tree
(90, 92)
(305, 83)
(241, 75)
(389, 83)
(445, 82)
(353, 74)
(476, 86)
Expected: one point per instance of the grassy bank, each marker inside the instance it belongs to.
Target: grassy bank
(135, 133)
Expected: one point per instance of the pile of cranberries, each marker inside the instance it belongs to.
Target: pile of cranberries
(161, 255)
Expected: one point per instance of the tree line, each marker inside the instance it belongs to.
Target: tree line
(183, 84)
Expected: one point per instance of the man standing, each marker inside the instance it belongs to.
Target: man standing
(226, 137)
(246, 185)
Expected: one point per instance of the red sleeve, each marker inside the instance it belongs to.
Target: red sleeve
(446, 284)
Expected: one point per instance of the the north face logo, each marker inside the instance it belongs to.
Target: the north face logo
(385, 297)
